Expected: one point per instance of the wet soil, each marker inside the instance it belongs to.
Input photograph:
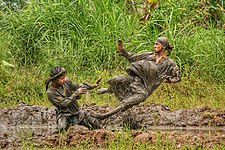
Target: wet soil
(199, 126)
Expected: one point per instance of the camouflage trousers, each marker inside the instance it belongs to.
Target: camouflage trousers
(64, 120)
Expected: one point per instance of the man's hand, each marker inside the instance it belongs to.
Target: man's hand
(90, 87)
(172, 80)
(81, 91)
(96, 84)
(120, 48)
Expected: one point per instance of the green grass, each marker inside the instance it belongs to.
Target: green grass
(27, 85)
(82, 34)
(124, 140)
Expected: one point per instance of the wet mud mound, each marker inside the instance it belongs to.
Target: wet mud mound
(181, 126)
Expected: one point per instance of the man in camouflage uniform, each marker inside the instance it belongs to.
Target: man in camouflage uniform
(147, 71)
(63, 94)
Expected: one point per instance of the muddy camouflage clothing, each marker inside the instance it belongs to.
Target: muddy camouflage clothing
(67, 109)
(144, 76)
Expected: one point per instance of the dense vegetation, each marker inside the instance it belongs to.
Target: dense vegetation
(81, 36)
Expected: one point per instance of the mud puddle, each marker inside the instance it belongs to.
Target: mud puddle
(182, 126)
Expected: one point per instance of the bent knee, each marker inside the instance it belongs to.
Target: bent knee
(136, 99)
(62, 123)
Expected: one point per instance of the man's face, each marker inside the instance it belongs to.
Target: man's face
(61, 79)
(158, 47)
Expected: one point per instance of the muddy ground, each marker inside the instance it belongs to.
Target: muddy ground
(199, 126)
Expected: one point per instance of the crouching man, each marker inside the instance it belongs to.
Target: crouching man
(63, 94)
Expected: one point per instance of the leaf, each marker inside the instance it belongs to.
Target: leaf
(7, 64)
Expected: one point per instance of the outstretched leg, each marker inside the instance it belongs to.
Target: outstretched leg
(103, 90)
(126, 104)
(115, 83)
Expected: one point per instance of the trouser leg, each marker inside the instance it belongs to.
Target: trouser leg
(88, 121)
(92, 122)
(104, 90)
(113, 83)
(126, 104)
(133, 100)
(62, 123)
(108, 114)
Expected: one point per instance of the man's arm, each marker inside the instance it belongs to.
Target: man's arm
(131, 57)
(137, 57)
(59, 100)
(92, 86)
(175, 76)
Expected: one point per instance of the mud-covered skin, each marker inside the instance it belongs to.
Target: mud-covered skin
(64, 98)
(194, 126)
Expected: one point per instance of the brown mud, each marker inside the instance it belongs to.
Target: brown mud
(199, 126)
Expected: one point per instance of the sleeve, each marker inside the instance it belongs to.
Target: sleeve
(73, 85)
(132, 57)
(174, 74)
(60, 100)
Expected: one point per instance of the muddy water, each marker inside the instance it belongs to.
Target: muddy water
(38, 122)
